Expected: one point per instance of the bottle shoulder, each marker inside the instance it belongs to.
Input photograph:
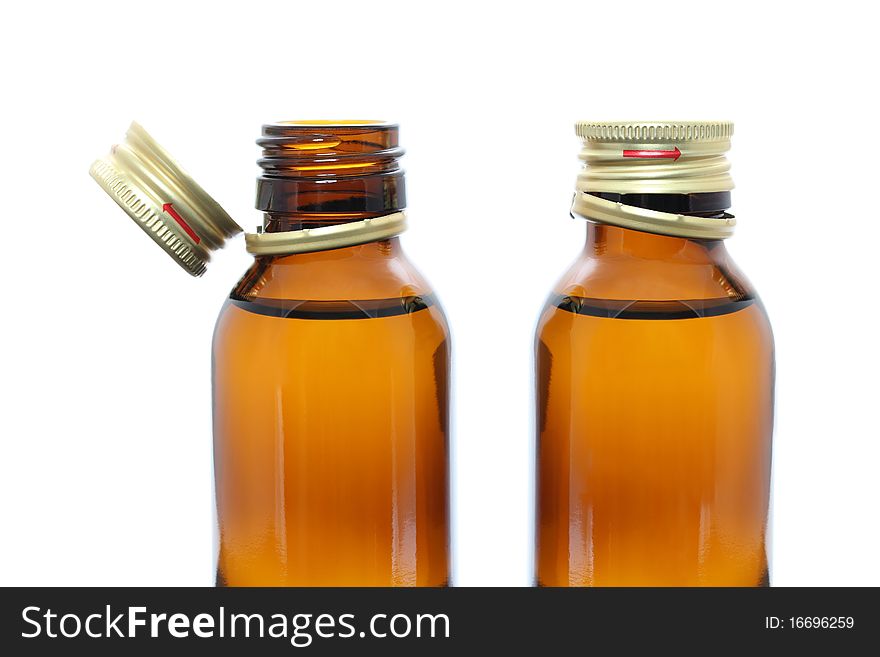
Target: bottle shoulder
(680, 279)
(696, 270)
(374, 281)
(377, 270)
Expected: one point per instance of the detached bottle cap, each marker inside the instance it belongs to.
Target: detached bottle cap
(164, 200)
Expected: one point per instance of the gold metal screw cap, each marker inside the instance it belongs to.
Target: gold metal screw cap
(164, 200)
(654, 157)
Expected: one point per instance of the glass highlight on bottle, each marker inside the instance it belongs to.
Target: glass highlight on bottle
(331, 375)
(655, 375)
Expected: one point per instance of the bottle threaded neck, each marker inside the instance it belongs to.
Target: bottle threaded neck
(330, 169)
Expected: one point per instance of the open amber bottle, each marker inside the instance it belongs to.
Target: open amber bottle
(330, 359)
(331, 370)
(655, 375)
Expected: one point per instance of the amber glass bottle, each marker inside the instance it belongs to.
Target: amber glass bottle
(331, 369)
(655, 376)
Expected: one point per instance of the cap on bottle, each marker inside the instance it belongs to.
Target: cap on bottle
(164, 200)
(654, 157)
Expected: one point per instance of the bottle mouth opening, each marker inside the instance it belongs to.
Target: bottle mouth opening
(329, 123)
(346, 138)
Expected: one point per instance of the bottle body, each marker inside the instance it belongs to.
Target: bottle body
(654, 362)
(331, 378)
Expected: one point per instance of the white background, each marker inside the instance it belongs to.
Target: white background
(105, 464)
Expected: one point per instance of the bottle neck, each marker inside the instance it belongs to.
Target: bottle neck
(319, 173)
(703, 204)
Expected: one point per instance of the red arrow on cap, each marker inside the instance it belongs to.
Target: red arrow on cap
(186, 227)
(655, 154)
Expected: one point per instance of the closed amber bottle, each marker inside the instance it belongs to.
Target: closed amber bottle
(655, 375)
(331, 374)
